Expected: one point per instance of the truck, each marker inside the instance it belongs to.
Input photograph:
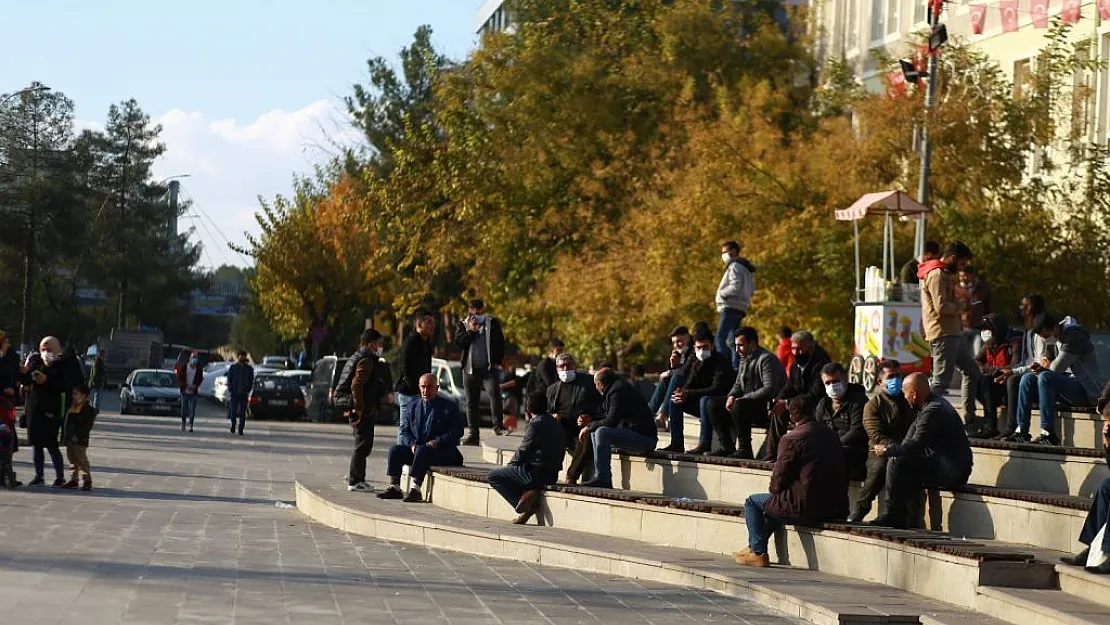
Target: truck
(128, 350)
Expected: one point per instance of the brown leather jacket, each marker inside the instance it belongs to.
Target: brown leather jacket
(810, 478)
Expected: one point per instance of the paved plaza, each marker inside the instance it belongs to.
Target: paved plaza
(188, 528)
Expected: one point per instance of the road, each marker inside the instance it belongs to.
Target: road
(186, 528)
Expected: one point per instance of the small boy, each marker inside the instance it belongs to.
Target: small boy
(78, 425)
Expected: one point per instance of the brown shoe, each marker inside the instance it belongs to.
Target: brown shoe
(529, 501)
(747, 557)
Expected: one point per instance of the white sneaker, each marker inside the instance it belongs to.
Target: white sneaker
(362, 487)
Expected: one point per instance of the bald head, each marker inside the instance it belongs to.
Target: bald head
(429, 386)
(916, 389)
(604, 378)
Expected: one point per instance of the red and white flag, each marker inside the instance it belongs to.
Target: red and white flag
(1009, 11)
(1070, 13)
(1039, 11)
(1104, 9)
(898, 84)
(978, 18)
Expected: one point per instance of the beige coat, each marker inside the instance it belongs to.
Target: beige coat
(940, 312)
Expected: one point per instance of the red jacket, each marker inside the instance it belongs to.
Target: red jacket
(785, 354)
(991, 359)
(198, 377)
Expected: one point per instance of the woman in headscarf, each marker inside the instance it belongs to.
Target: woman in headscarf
(50, 378)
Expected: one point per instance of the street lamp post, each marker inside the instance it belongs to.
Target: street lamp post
(32, 89)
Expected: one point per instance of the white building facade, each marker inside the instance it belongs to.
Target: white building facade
(492, 18)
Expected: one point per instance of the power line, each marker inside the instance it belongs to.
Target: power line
(203, 215)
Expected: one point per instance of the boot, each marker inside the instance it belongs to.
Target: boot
(72, 483)
(744, 451)
(87, 485)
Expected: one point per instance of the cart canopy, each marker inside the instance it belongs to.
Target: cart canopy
(892, 203)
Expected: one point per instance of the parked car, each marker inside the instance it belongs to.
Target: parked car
(303, 378)
(277, 362)
(276, 396)
(220, 391)
(150, 390)
(321, 387)
(450, 376)
(212, 372)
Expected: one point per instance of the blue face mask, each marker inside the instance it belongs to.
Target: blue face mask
(194, 361)
(892, 386)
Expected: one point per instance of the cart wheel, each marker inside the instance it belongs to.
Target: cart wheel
(870, 372)
(855, 370)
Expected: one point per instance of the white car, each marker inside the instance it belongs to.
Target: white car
(212, 372)
(220, 391)
(150, 390)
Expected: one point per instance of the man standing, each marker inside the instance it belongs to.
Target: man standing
(483, 348)
(760, 379)
(546, 374)
(535, 464)
(362, 386)
(430, 439)
(240, 381)
(734, 294)
(940, 315)
(189, 378)
(935, 453)
(98, 378)
(626, 422)
(707, 383)
(809, 484)
(574, 402)
(886, 417)
(416, 360)
(841, 410)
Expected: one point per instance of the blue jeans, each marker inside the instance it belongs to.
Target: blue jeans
(1051, 384)
(705, 437)
(188, 408)
(726, 333)
(661, 398)
(237, 410)
(1096, 518)
(761, 526)
(513, 481)
(604, 438)
(94, 397)
(402, 401)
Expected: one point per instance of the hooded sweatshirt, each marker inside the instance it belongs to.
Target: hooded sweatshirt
(1077, 354)
(737, 286)
(998, 352)
(940, 312)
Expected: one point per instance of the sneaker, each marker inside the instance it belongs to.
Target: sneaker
(1018, 437)
(361, 487)
(38, 481)
(59, 483)
(747, 557)
(414, 496)
(393, 492)
(1047, 438)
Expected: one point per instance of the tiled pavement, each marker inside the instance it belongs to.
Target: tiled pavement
(185, 528)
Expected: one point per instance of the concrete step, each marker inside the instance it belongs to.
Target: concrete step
(930, 564)
(1077, 582)
(1040, 607)
(809, 595)
(1066, 471)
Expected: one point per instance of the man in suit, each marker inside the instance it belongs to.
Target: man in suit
(573, 401)
(430, 439)
(626, 423)
(536, 463)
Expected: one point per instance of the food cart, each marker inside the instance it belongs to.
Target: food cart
(888, 314)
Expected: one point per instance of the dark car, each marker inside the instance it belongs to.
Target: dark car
(276, 397)
(321, 387)
(150, 390)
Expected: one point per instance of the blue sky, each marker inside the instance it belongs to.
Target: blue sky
(248, 91)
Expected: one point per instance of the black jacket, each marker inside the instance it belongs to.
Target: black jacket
(495, 339)
(48, 402)
(708, 378)
(622, 406)
(585, 397)
(542, 449)
(543, 377)
(416, 360)
(9, 371)
(938, 434)
(365, 375)
(78, 425)
(806, 380)
(847, 422)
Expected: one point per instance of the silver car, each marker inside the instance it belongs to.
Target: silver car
(150, 390)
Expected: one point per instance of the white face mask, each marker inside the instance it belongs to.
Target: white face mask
(703, 354)
(48, 357)
(566, 377)
(725, 258)
(378, 351)
(835, 390)
(986, 335)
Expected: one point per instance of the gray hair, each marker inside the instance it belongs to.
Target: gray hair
(565, 357)
(802, 337)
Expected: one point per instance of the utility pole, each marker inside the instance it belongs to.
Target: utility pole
(175, 190)
(937, 37)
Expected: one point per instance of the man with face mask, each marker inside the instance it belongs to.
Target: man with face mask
(734, 295)
(50, 379)
(886, 417)
(363, 385)
(934, 454)
(707, 383)
(574, 402)
(1032, 348)
(940, 316)
(189, 378)
(240, 381)
(805, 380)
(841, 410)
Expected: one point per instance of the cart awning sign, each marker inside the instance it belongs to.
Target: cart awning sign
(895, 203)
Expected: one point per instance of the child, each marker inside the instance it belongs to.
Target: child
(75, 434)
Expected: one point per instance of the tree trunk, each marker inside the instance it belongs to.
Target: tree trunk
(121, 312)
(25, 328)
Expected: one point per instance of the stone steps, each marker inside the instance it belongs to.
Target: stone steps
(1075, 581)
(810, 595)
(1067, 471)
(1040, 607)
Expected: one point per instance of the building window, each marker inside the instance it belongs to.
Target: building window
(1104, 89)
(919, 8)
(878, 20)
(1021, 75)
(893, 13)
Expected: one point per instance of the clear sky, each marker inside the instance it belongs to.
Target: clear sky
(248, 91)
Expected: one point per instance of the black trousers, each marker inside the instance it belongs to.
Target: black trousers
(992, 395)
(491, 380)
(906, 476)
(874, 482)
(734, 427)
(364, 444)
(581, 452)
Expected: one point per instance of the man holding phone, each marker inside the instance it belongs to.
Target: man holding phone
(483, 348)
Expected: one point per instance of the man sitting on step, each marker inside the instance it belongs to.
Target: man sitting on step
(841, 410)
(934, 454)
(706, 379)
(805, 380)
(1097, 517)
(626, 422)
(535, 464)
(573, 401)
(760, 379)
(429, 438)
(886, 417)
(809, 484)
